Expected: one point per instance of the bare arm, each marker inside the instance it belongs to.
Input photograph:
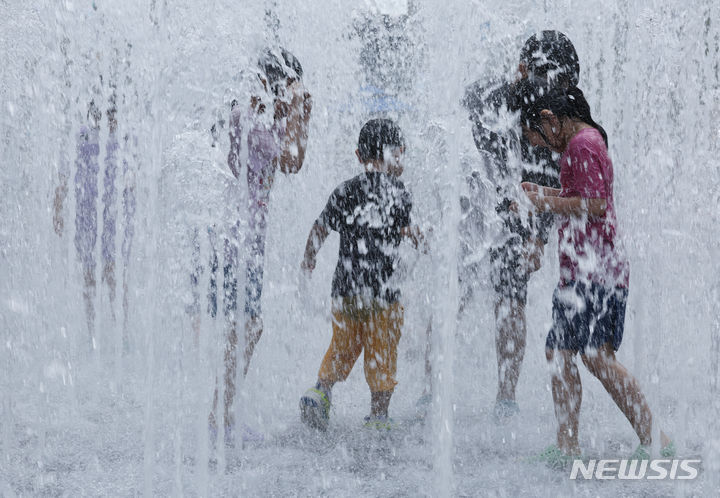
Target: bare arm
(568, 206)
(534, 187)
(416, 237)
(534, 249)
(60, 194)
(295, 143)
(235, 144)
(315, 240)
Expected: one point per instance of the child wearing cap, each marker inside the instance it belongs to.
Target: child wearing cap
(547, 60)
(371, 212)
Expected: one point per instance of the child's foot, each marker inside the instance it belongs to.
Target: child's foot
(422, 406)
(504, 409)
(379, 422)
(642, 452)
(669, 450)
(227, 436)
(554, 457)
(315, 408)
(250, 435)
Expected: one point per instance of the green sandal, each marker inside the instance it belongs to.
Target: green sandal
(554, 457)
(315, 409)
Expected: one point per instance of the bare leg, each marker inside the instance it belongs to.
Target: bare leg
(212, 420)
(567, 396)
(125, 306)
(195, 322)
(60, 193)
(108, 277)
(89, 298)
(230, 372)
(253, 331)
(325, 385)
(511, 332)
(624, 390)
(379, 403)
(428, 361)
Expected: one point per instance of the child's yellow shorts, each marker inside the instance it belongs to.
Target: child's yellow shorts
(369, 325)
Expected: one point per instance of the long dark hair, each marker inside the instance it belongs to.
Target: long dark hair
(570, 103)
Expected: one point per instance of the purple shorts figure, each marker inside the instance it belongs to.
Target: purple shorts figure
(129, 202)
(86, 192)
(109, 201)
(86, 195)
(263, 137)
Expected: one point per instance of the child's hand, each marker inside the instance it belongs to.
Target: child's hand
(530, 186)
(307, 102)
(537, 200)
(533, 250)
(416, 237)
(282, 109)
(534, 197)
(257, 104)
(308, 305)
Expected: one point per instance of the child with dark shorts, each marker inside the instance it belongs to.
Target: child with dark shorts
(589, 302)
(372, 214)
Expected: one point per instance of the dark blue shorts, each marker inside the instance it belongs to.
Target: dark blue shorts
(587, 316)
(509, 275)
(254, 274)
(253, 288)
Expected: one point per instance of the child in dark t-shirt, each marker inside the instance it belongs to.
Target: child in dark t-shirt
(371, 212)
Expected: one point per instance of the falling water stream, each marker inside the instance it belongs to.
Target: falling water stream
(120, 406)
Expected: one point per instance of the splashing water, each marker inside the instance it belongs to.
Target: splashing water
(119, 404)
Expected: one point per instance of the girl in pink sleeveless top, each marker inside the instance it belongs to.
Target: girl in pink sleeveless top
(589, 302)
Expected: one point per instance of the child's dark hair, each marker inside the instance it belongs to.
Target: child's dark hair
(570, 103)
(551, 58)
(279, 65)
(375, 135)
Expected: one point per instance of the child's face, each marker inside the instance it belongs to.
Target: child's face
(256, 101)
(522, 71)
(393, 160)
(551, 130)
(535, 139)
(390, 164)
(283, 89)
